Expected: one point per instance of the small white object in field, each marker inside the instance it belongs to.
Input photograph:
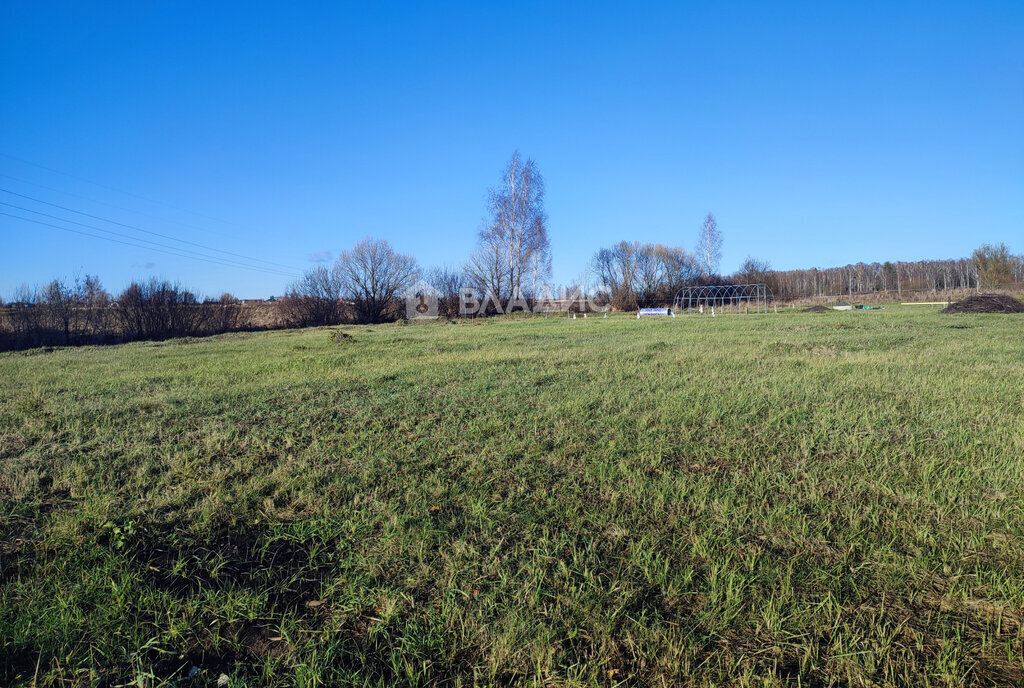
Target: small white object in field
(573, 316)
(606, 315)
(673, 314)
(584, 316)
(712, 311)
(222, 680)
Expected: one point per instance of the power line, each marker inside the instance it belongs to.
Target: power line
(144, 231)
(224, 261)
(172, 252)
(114, 189)
(128, 243)
(115, 206)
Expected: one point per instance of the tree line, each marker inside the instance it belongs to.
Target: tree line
(83, 312)
(509, 268)
(989, 266)
(511, 265)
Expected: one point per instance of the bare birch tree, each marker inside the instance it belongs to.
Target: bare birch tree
(709, 245)
(541, 259)
(513, 251)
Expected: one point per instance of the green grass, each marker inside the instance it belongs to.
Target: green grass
(788, 499)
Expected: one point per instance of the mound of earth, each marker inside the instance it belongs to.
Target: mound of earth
(986, 303)
(817, 309)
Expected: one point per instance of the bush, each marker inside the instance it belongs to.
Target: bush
(59, 314)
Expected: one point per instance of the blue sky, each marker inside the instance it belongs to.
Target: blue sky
(818, 133)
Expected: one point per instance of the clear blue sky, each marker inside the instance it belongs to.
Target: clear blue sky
(819, 133)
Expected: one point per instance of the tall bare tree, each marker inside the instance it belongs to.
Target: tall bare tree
(513, 251)
(541, 262)
(709, 245)
(372, 275)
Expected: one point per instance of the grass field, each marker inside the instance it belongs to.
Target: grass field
(791, 499)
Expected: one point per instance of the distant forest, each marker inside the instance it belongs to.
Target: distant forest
(899, 277)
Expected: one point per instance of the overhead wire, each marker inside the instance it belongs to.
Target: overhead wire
(145, 231)
(160, 248)
(133, 211)
(114, 189)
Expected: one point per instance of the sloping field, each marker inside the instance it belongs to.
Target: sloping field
(791, 499)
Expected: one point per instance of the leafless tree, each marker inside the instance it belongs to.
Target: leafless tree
(643, 274)
(158, 309)
(513, 251)
(372, 275)
(616, 267)
(934, 276)
(487, 270)
(227, 314)
(446, 281)
(23, 316)
(61, 313)
(650, 274)
(754, 271)
(680, 268)
(540, 261)
(95, 301)
(61, 307)
(709, 245)
(313, 300)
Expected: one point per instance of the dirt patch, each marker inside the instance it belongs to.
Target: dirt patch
(817, 309)
(986, 303)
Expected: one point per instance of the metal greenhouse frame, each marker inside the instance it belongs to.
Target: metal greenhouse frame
(734, 297)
